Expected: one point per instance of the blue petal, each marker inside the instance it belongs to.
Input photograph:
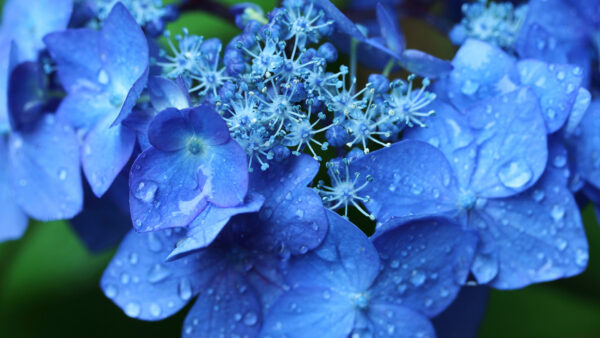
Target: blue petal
(14, 220)
(424, 184)
(511, 147)
(78, 61)
(124, 51)
(481, 71)
(165, 190)
(165, 93)
(169, 130)
(105, 151)
(391, 320)
(556, 86)
(292, 215)
(310, 312)
(423, 64)
(205, 228)
(169, 189)
(323, 284)
(44, 170)
(586, 145)
(208, 124)
(390, 30)
(448, 130)
(582, 103)
(533, 237)
(144, 286)
(541, 38)
(228, 308)
(342, 22)
(28, 21)
(82, 110)
(424, 262)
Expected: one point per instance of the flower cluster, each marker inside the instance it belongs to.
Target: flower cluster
(247, 169)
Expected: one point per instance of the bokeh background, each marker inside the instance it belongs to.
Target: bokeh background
(49, 281)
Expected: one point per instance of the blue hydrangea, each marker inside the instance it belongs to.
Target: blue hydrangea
(103, 73)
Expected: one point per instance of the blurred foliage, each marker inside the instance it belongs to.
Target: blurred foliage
(49, 282)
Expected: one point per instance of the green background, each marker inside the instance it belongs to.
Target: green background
(49, 282)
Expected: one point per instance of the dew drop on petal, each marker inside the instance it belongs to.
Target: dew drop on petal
(155, 310)
(132, 309)
(557, 213)
(417, 277)
(250, 318)
(515, 174)
(146, 191)
(185, 289)
(111, 291)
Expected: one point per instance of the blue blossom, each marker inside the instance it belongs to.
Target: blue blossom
(568, 42)
(384, 287)
(239, 274)
(39, 167)
(103, 73)
(482, 70)
(487, 175)
(192, 163)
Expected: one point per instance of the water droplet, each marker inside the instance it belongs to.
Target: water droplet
(133, 258)
(124, 278)
(111, 291)
(428, 302)
(184, 289)
(188, 329)
(401, 288)
(581, 257)
(416, 189)
(515, 174)
(560, 75)
(394, 264)
(154, 242)
(561, 244)
(559, 161)
(250, 318)
(237, 317)
(155, 310)
(300, 213)
(146, 191)
(444, 292)
(469, 87)
(62, 174)
(417, 277)
(103, 77)
(557, 212)
(326, 294)
(133, 309)
(158, 273)
(538, 195)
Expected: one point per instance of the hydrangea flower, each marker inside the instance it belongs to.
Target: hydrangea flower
(238, 275)
(39, 162)
(485, 172)
(387, 287)
(192, 163)
(482, 71)
(103, 73)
